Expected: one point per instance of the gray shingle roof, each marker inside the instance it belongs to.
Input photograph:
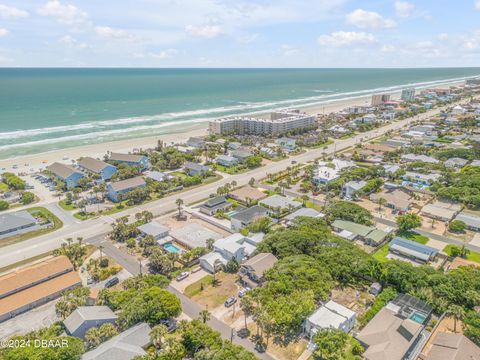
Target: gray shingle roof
(128, 183)
(85, 313)
(249, 214)
(63, 171)
(124, 346)
(93, 165)
(16, 220)
(126, 157)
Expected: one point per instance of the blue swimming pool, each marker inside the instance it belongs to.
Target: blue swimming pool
(171, 248)
(419, 318)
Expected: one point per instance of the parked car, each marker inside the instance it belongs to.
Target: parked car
(230, 301)
(171, 324)
(243, 292)
(182, 276)
(90, 280)
(113, 281)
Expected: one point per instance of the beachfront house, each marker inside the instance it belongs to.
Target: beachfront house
(66, 173)
(140, 161)
(193, 169)
(196, 142)
(97, 167)
(116, 189)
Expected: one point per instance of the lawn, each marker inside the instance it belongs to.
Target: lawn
(67, 207)
(381, 254)
(410, 235)
(57, 224)
(212, 296)
(472, 256)
(81, 216)
(232, 169)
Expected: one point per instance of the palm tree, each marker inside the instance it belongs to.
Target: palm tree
(179, 203)
(101, 251)
(458, 313)
(157, 334)
(381, 201)
(204, 315)
(246, 304)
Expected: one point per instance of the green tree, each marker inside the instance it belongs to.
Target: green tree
(408, 222)
(27, 197)
(204, 315)
(179, 203)
(457, 226)
(157, 335)
(458, 314)
(331, 344)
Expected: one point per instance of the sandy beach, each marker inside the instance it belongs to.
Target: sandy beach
(24, 164)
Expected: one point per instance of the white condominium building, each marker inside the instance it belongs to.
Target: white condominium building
(279, 122)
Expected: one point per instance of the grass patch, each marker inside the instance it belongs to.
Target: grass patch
(381, 254)
(212, 296)
(67, 207)
(472, 256)
(232, 170)
(410, 235)
(84, 216)
(56, 224)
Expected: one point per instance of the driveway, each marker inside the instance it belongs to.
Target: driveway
(193, 278)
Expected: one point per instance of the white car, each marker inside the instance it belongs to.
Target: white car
(182, 276)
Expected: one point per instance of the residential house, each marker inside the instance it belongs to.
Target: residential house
(196, 142)
(17, 222)
(440, 210)
(252, 271)
(154, 229)
(302, 212)
(394, 331)
(125, 346)
(66, 173)
(338, 131)
(471, 219)
(118, 188)
(330, 315)
(458, 110)
(247, 195)
(241, 154)
(226, 160)
(397, 200)
(157, 176)
(455, 162)
(234, 246)
(193, 169)
(422, 158)
(28, 287)
(194, 235)
(245, 217)
(140, 161)
(97, 167)
(85, 317)
(353, 231)
(277, 204)
(421, 179)
(351, 189)
(412, 250)
(330, 171)
(451, 346)
(214, 205)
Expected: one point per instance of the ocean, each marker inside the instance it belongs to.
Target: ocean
(50, 109)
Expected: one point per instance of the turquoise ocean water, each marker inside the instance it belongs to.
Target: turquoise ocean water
(47, 109)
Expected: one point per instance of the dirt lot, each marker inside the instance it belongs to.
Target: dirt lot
(172, 223)
(355, 299)
(213, 297)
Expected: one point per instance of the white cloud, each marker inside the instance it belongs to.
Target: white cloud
(443, 37)
(66, 14)
(72, 42)
(3, 32)
(165, 54)
(404, 8)
(10, 12)
(477, 5)
(345, 38)
(204, 31)
(368, 20)
(424, 45)
(288, 50)
(111, 33)
(388, 48)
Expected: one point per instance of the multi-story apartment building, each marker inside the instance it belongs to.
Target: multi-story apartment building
(408, 94)
(279, 122)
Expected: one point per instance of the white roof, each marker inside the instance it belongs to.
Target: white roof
(331, 315)
(153, 228)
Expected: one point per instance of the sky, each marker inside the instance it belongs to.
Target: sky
(239, 33)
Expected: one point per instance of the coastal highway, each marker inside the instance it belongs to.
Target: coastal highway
(100, 226)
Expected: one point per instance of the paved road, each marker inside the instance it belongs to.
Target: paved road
(190, 308)
(89, 228)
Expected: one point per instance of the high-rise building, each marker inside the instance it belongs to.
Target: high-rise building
(408, 94)
(379, 99)
(279, 122)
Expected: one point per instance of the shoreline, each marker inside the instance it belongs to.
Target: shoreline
(41, 160)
